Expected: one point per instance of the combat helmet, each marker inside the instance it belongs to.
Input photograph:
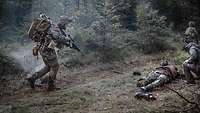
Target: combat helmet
(191, 24)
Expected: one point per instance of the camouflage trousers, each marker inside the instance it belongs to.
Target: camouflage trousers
(155, 79)
(191, 70)
(51, 66)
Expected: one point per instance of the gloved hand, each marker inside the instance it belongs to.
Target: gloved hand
(35, 51)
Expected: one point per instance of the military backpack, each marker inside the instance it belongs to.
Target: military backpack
(38, 29)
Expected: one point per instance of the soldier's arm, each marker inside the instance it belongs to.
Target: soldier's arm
(35, 49)
(195, 30)
(196, 34)
(187, 31)
(193, 55)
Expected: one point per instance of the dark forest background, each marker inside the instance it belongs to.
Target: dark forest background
(13, 13)
(108, 30)
(119, 39)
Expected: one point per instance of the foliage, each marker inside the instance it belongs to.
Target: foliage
(104, 28)
(153, 34)
(179, 12)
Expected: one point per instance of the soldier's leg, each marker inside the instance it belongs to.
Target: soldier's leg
(195, 71)
(54, 66)
(198, 72)
(150, 78)
(53, 72)
(37, 75)
(162, 79)
(187, 68)
(52, 76)
(41, 72)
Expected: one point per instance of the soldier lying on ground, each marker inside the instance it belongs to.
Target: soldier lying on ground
(46, 40)
(191, 66)
(158, 77)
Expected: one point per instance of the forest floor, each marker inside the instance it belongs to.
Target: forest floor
(100, 88)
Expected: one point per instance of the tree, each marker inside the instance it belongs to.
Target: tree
(153, 32)
(179, 11)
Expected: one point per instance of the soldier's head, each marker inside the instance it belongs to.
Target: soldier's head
(191, 24)
(64, 21)
(164, 63)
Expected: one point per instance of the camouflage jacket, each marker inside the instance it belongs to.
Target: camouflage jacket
(194, 53)
(53, 36)
(169, 70)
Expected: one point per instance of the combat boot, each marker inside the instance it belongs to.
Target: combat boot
(41, 83)
(51, 85)
(31, 81)
(145, 95)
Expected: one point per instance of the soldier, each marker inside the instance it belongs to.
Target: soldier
(160, 76)
(46, 42)
(191, 33)
(191, 66)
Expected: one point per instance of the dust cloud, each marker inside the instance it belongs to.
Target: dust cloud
(29, 63)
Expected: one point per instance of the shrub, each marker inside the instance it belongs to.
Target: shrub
(153, 34)
(112, 54)
(7, 66)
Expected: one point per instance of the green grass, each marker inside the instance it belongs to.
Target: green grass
(181, 57)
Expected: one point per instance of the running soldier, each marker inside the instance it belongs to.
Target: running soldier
(47, 37)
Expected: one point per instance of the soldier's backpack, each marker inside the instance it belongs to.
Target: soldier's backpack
(38, 29)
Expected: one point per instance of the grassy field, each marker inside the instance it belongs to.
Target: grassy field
(103, 88)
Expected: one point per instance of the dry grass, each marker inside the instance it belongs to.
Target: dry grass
(97, 88)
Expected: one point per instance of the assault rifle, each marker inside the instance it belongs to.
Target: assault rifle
(70, 43)
(73, 45)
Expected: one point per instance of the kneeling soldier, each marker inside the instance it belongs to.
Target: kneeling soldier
(191, 66)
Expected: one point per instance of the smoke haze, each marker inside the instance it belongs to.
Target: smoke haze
(29, 63)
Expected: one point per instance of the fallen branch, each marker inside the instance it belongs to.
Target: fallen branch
(187, 100)
(48, 104)
(118, 72)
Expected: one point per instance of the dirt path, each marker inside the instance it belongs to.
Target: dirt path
(102, 88)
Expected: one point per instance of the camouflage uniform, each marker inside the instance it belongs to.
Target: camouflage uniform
(191, 66)
(159, 76)
(55, 36)
(50, 60)
(191, 34)
(49, 56)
